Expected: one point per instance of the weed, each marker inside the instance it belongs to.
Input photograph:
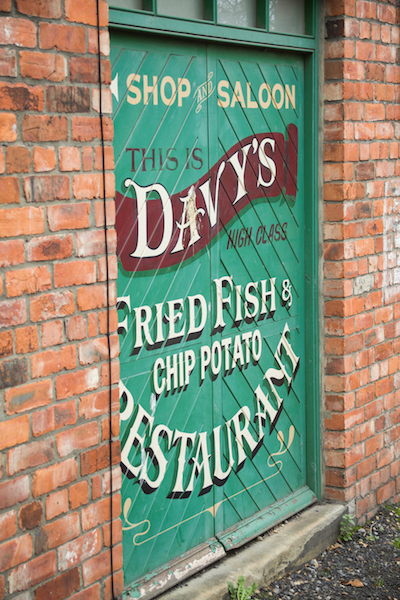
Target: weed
(396, 543)
(240, 592)
(379, 582)
(347, 528)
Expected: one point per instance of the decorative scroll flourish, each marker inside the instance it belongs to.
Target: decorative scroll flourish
(156, 230)
(284, 447)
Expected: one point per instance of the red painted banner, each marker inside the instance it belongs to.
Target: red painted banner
(156, 230)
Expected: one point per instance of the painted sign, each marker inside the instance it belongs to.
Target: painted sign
(210, 224)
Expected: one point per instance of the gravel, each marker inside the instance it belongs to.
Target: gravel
(366, 566)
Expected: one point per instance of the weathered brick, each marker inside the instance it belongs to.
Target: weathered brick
(56, 504)
(76, 383)
(97, 350)
(51, 333)
(46, 188)
(17, 32)
(50, 478)
(65, 38)
(53, 361)
(13, 491)
(13, 372)
(21, 221)
(12, 253)
(20, 96)
(68, 216)
(8, 127)
(86, 129)
(88, 14)
(67, 99)
(54, 247)
(86, 70)
(9, 188)
(8, 525)
(78, 438)
(14, 431)
(29, 455)
(8, 62)
(6, 343)
(78, 494)
(49, 306)
(56, 533)
(79, 550)
(29, 396)
(75, 328)
(97, 567)
(99, 458)
(27, 281)
(89, 298)
(79, 272)
(52, 418)
(44, 128)
(59, 587)
(15, 552)
(33, 572)
(37, 65)
(30, 515)
(92, 243)
(44, 159)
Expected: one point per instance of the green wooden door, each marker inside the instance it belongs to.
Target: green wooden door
(209, 147)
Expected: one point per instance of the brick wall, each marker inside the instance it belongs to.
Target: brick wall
(54, 371)
(362, 252)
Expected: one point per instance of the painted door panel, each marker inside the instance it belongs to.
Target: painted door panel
(210, 224)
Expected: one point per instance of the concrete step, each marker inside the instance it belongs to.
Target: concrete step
(270, 556)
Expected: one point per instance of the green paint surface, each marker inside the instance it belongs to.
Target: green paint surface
(228, 439)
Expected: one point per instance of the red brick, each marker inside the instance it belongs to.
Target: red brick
(8, 525)
(74, 273)
(44, 159)
(77, 551)
(386, 492)
(6, 343)
(70, 159)
(50, 478)
(8, 127)
(56, 504)
(99, 458)
(65, 38)
(14, 432)
(46, 188)
(86, 129)
(56, 533)
(15, 552)
(29, 455)
(67, 216)
(19, 96)
(118, 585)
(53, 361)
(9, 189)
(48, 248)
(68, 99)
(18, 32)
(16, 490)
(78, 494)
(94, 296)
(44, 128)
(74, 11)
(33, 572)
(86, 70)
(78, 438)
(97, 404)
(100, 565)
(36, 65)
(97, 350)
(53, 418)
(48, 10)
(21, 221)
(8, 62)
(12, 253)
(98, 512)
(75, 328)
(76, 383)
(92, 243)
(26, 397)
(27, 281)
(49, 306)
(59, 587)
(93, 42)
(52, 333)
